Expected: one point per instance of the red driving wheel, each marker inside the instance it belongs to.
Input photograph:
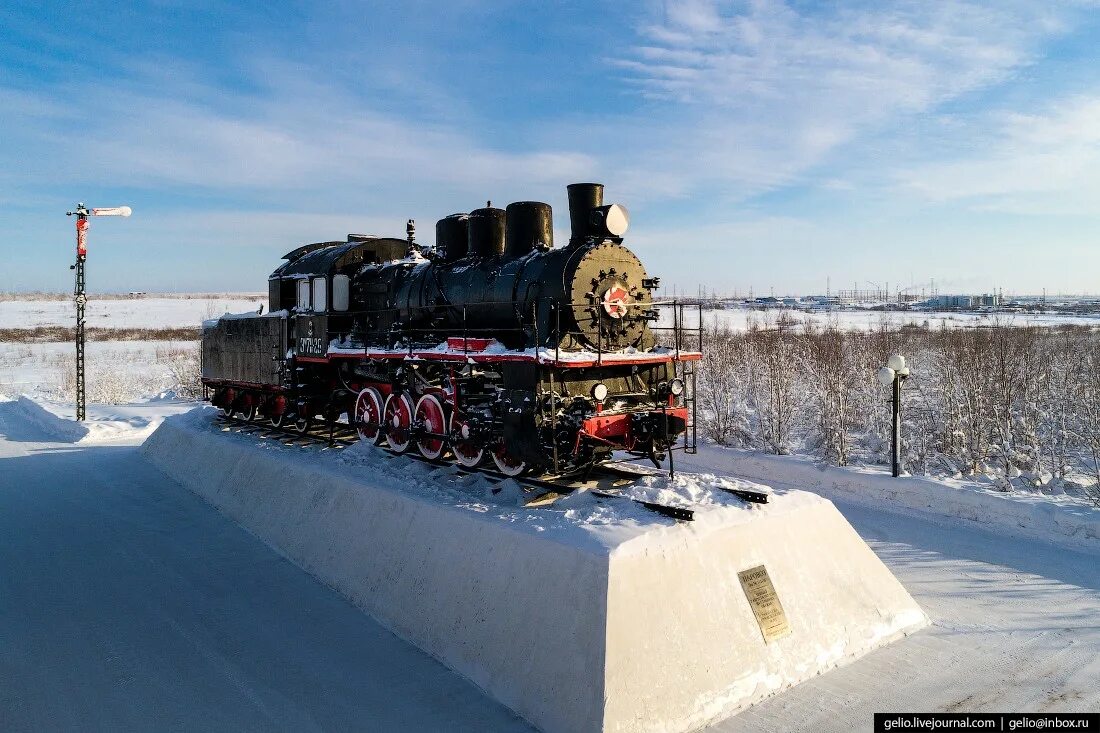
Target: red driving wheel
(368, 415)
(429, 413)
(398, 415)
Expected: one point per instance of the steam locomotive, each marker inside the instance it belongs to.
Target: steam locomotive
(494, 345)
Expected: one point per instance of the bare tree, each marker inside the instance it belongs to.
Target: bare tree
(1020, 404)
(833, 372)
(723, 374)
(1088, 397)
(772, 387)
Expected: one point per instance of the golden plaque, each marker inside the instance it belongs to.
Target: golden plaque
(765, 603)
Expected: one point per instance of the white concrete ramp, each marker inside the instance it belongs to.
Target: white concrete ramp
(584, 616)
(683, 644)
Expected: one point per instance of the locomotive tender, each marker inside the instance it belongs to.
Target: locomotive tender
(494, 345)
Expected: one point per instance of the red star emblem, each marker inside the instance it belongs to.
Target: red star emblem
(614, 301)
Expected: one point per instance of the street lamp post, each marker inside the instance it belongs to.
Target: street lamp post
(892, 375)
(79, 295)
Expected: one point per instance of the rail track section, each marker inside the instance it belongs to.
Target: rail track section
(605, 482)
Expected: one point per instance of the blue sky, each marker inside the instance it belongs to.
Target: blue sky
(757, 144)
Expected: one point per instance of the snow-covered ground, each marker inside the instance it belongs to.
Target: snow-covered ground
(130, 369)
(1013, 629)
(143, 312)
(130, 603)
(103, 424)
(739, 319)
(185, 311)
(118, 370)
(1062, 519)
(1010, 581)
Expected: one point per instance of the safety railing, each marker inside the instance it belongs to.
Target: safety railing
(684, 336)
(415, 328)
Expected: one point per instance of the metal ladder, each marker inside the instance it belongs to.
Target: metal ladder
(686, 371)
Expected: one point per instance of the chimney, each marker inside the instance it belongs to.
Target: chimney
(583, 198)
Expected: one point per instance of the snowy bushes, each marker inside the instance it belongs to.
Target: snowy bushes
(110, 384)
(722, 386)
(119, 376)
(1019, 405)
(183, 367)
(50, 334)
(748, 390)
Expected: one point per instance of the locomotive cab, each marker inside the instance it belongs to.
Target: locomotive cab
(314, 285)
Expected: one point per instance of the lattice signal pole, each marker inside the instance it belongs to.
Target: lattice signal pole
(80, 295)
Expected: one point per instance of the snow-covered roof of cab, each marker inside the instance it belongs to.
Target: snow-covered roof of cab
(307, 248)
(324, 258)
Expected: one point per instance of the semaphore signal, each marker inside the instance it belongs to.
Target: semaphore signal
(82, 213)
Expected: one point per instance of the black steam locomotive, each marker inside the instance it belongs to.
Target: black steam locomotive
(493, 344)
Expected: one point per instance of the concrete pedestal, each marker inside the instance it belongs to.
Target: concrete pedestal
(577, 625)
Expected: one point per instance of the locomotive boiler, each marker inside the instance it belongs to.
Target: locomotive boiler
(494, 344)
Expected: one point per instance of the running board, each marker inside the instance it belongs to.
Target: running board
(753, 497)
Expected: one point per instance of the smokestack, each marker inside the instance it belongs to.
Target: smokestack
(583, 198)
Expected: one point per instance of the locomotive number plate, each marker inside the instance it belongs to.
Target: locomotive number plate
(312, 338)
(765, 603)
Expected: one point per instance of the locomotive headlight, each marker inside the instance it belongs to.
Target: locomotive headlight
(599, 392)
(676, 386)
(612, 220)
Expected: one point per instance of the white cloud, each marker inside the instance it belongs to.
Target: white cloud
(295, 135)
(264, 228)
(1045, 163)
(762, 92)
(728, 100)
(744, 98)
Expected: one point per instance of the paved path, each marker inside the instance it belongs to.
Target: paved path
(129, 604)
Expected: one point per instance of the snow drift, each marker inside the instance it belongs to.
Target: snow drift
(51, 424)
(1058, 519)
(584, 616)
(105, 423)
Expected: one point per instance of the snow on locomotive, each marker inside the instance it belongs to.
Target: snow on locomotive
(494, 345)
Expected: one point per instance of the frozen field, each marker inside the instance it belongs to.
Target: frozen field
(143, 312)
(191, 310)
(118, 370)
(739, 319)
(152, 610)
(126, 369)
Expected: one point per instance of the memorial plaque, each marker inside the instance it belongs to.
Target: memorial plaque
(765, 603)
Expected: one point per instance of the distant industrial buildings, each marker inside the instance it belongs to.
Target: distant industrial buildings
(878, 300)
(925, 297)
(962, 302)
